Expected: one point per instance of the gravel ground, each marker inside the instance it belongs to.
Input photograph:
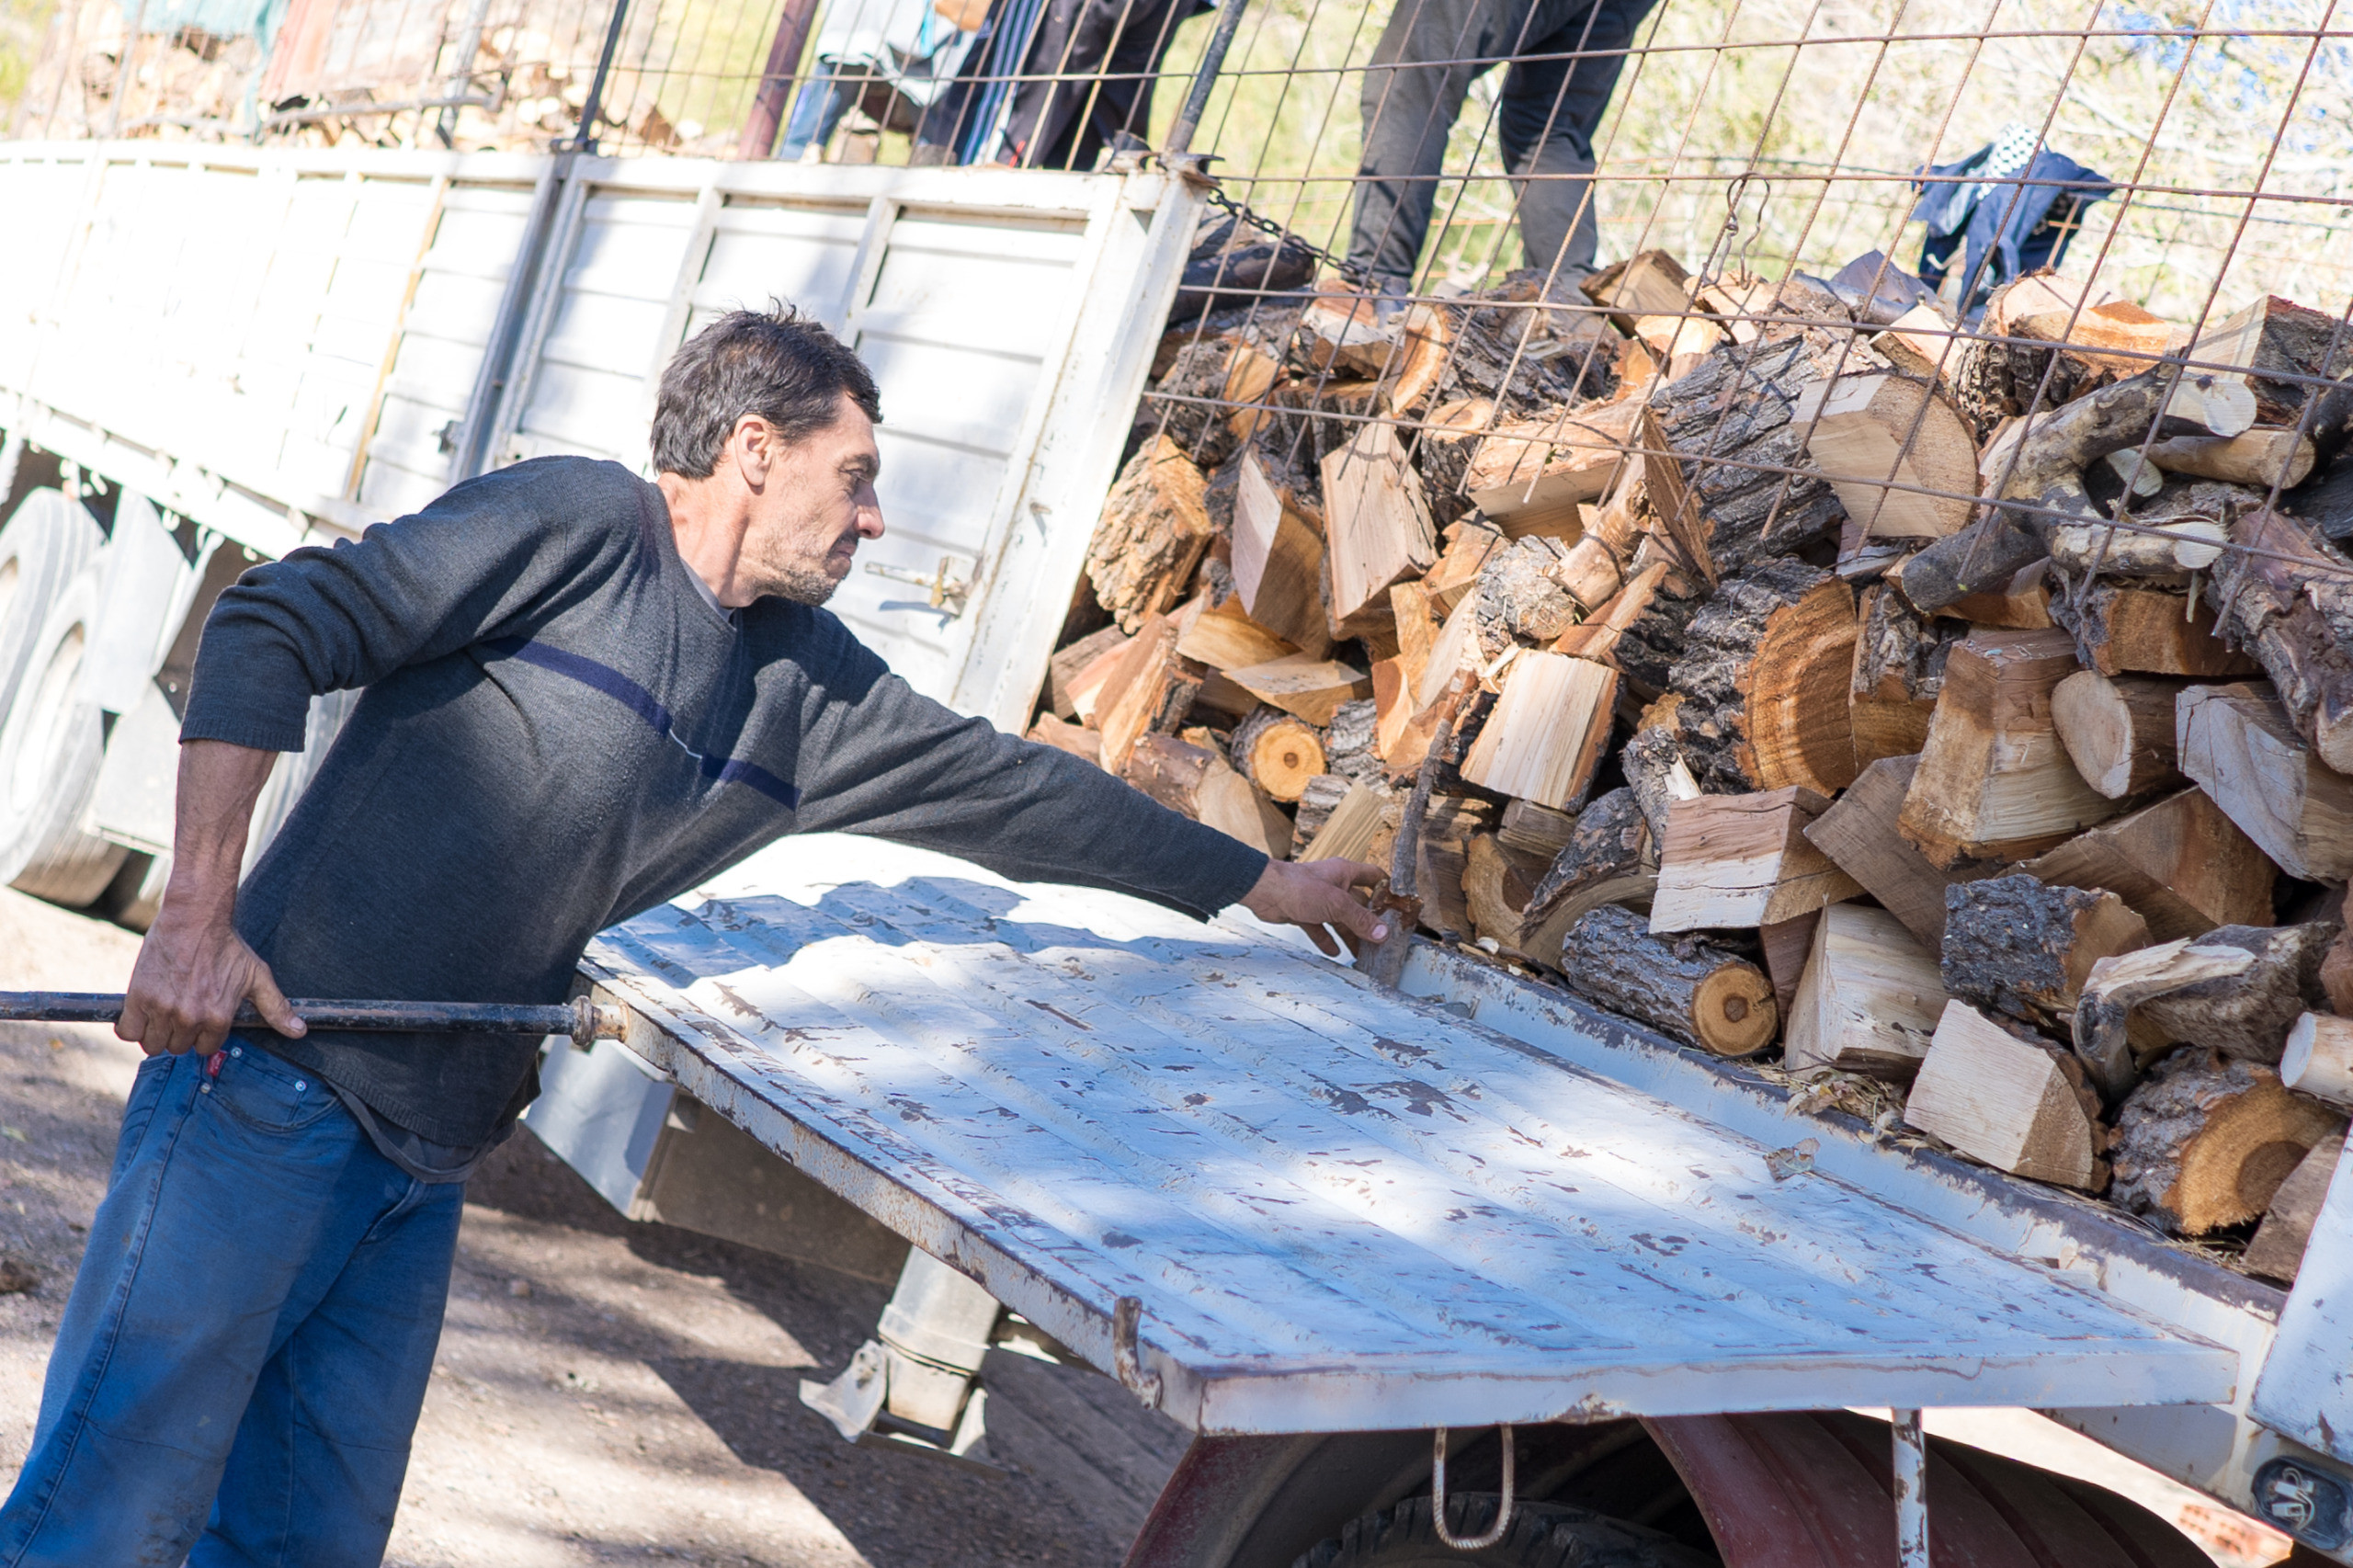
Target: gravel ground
(604, 1392)
(610, 1392)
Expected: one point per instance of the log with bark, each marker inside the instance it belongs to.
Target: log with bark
(1653, 763)
(2291, 607)
(1349, 747)
(2318, 1058)
(2241, 748)
(2206, 1140)
(1993, 782)
(1529, 474)
(2179, 863)
(1277, 751)
(1765, 678)
(2277, 344)
(1743, 861)
(2121, 627)
(1196, 783)
(1608, 859)
(1733, 422)
(2236, 989)
(2119, 730)
(1898, 671)
(1496, 882)
(2013, 945)
(1682, 985)
(2276, 1251)
(1869, 1000)
(1155, 525)
(1460, 564)
(2003, 1101)
(1859, 834)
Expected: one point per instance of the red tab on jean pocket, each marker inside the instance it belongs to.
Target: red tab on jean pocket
(212, 1063)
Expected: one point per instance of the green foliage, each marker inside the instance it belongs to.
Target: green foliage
(22, 25)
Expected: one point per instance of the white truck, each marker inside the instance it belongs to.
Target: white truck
(1319, 1223)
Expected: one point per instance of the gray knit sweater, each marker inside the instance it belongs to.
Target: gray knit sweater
(558, 731)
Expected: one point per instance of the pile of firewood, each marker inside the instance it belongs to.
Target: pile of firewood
(1662, 649)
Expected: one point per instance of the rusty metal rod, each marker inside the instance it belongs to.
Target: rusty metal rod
(581, 1019)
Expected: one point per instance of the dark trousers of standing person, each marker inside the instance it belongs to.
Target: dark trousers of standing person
(1113, 50)
(1565, 57)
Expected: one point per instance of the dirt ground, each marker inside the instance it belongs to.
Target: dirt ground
(610, 1393)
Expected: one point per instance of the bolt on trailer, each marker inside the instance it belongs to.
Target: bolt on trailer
(291, 274)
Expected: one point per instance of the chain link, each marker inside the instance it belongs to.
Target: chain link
(1240, 213)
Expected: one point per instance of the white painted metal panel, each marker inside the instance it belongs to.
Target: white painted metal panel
(2306, 1388)
(1340, 1209)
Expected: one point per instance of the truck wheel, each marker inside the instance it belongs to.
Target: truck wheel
(1543, 1535)
(49, 750)
(43, 545)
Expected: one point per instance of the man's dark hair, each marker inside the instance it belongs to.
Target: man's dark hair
(776, 363)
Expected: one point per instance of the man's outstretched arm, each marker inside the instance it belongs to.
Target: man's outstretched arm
(194, 968)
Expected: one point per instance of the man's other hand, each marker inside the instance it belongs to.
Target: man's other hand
(1316, 896)
(184, 989)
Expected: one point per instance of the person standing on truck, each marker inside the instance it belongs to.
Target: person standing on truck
(1565, 57)
(584, 694)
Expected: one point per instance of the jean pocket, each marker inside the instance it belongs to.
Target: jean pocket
(259, 1090)
(147, 1090)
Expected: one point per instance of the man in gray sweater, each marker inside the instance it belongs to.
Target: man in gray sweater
(586, 693)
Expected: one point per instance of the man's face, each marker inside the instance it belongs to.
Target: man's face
(815, 502)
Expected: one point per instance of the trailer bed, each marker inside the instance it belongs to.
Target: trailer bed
(1329, 1208)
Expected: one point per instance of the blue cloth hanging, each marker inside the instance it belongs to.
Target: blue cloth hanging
(2009, 207)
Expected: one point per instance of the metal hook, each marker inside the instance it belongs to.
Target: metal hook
(1125, 1362)
(1494, 1532)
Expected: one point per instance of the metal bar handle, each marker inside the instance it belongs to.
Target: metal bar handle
(581, 1019)
(1494, 1532)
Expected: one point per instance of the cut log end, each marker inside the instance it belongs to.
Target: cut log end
(2205, 1142)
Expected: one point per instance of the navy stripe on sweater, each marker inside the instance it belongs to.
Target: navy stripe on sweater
(639, 701)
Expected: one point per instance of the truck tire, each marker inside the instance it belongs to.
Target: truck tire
(49, 749)
(1543, 1535)
(44, 544)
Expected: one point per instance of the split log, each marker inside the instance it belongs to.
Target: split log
(1496, 882)
(1544, 738)
(1311, 687)
(1529, 474)
(2318, 1060)
(1671, 335)
(2022, 604)
(2121, 628)
(1340, 333)
(1858, 833)
(1681, 985)
(1155, 525)
(1605, 860)
(1765, 679)
(1459, 567)
(1087, 686)
(1648, 283)
(1426, 348)
(2179, 863)
(1349, 747)
(2277, 1250)
(1743, 861)
(1277, 752)
(1520, 599)
(1994, 782)
(2237, 990)
(2272, 341)
(1075, 739)
(1872, 433)
(1278, 560)
(2049, 475)
(2205, 1142)
(1653, 763)
(2004, 1102)
(1063, 670)
(1596, 637)
(2292, 608)
(1870, 1001)
(1149, 691)
(1223, 637)
(2337, 973)
(2015, 946)
(1786, 945)
(2164, 548)
(1441, 854)
(2238, 744)
(1899, 668)
(1535, 830)
(1313, 809)
(2119, 730)
(1672, 501)
(1418, 627)
(1376, 524)
(1349, 832)
(1196, 781)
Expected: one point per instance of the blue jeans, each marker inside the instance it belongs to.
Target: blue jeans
(240, 1365)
